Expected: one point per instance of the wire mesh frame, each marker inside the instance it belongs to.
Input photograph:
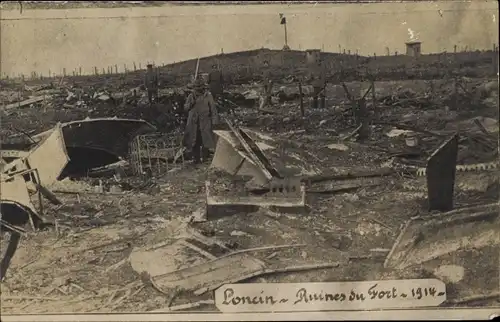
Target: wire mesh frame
(156, 153)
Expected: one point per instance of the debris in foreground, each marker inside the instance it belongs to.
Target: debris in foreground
(427, 237)
(286, 194)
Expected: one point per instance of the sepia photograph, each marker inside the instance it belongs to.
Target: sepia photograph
(239, 160)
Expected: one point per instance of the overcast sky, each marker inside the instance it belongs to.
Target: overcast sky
(43, 40)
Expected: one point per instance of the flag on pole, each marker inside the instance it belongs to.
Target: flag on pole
(283, 19)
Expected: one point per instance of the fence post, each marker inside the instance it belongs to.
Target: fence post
(495, 59)
(135, 67)
(64, 71)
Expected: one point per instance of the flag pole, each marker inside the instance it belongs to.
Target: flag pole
(286, 36)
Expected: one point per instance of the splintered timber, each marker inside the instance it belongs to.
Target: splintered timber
(333, 296)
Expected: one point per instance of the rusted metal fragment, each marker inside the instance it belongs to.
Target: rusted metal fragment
(441, 168)
(427, 237)
(48, 157)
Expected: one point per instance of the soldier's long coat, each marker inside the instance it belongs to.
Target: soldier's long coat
(151, 80)
(216, 82)
(201, 118)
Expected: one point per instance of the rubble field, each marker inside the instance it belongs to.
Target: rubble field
(116, 237)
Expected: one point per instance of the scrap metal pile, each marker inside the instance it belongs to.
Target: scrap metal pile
(121, 220)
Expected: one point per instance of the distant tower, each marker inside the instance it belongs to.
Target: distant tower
(413, 48)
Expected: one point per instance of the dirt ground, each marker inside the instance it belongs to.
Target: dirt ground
(82, 264)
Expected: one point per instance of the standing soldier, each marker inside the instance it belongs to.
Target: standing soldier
(202, 115)
(151, 83)
(267, 86)
(319, 84)
(216, 83)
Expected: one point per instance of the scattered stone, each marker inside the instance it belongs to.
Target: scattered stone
(450, 273)
(338, 146)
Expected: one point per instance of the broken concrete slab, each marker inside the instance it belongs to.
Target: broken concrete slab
(427, 237)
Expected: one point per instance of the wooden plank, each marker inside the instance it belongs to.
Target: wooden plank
(29, 101)
(209, 274)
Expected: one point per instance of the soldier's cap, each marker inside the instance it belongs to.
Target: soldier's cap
(149, 65)
(214, 66)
